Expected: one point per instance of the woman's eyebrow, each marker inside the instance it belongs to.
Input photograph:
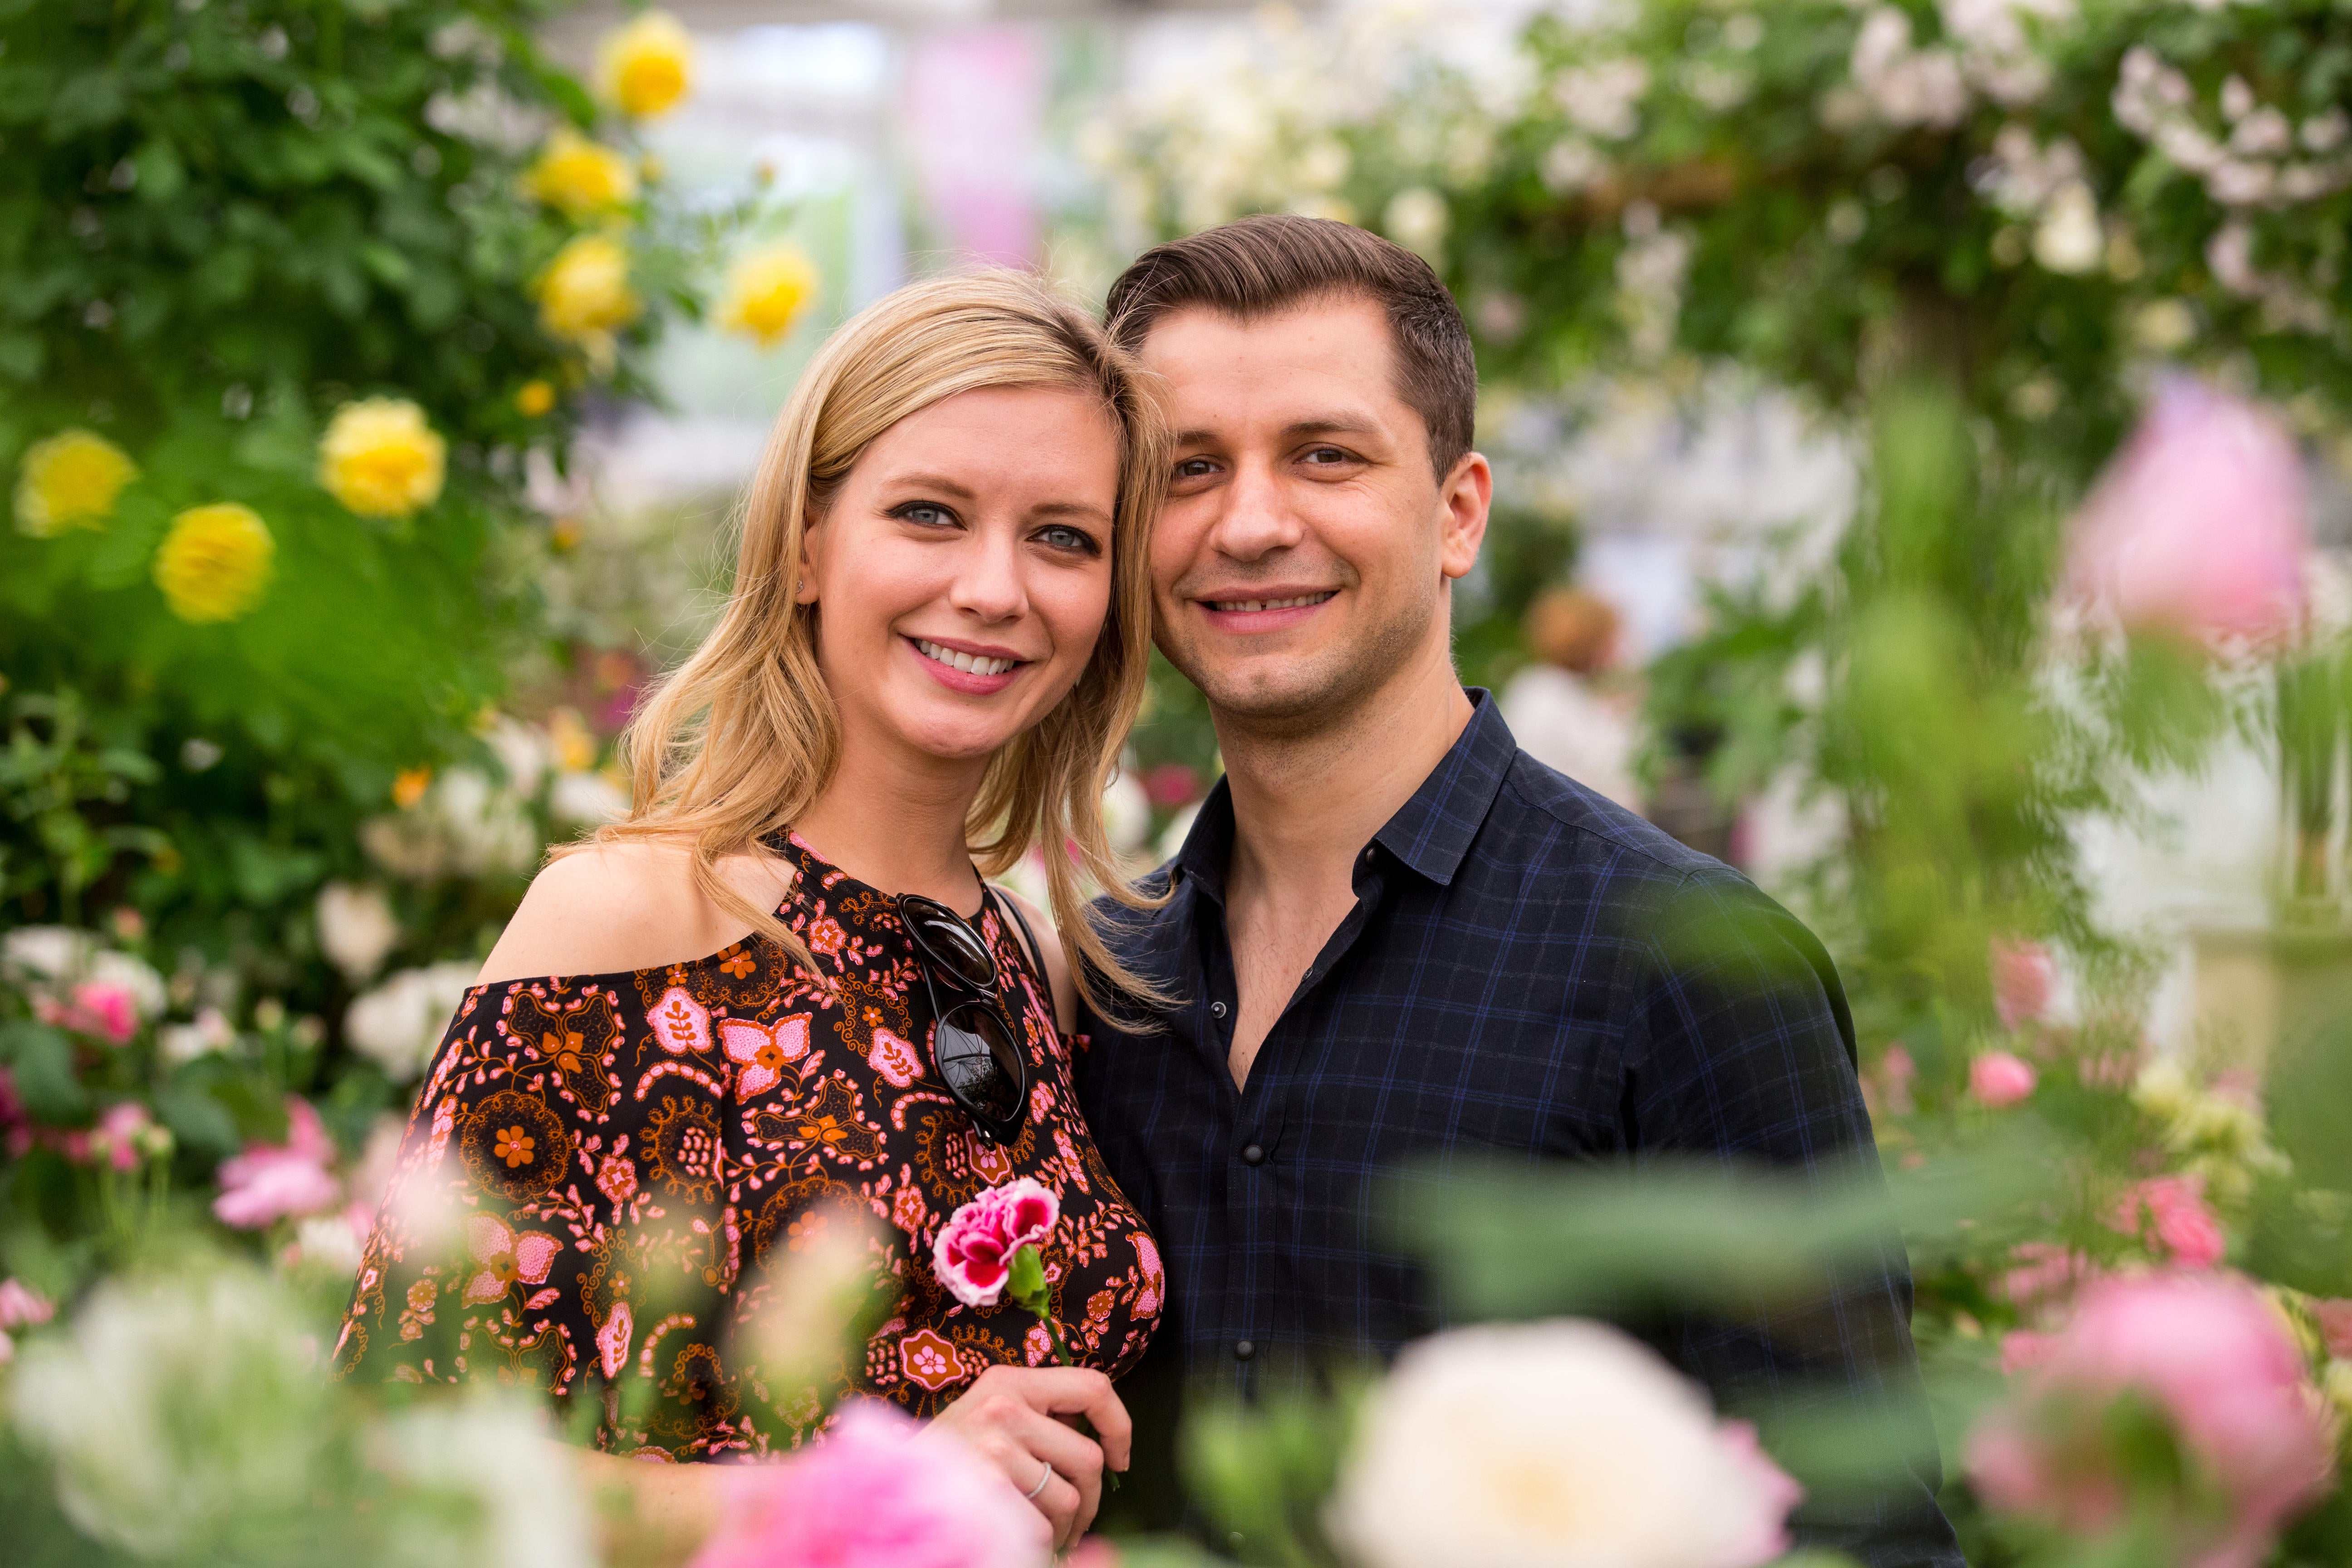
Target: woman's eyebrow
(932, 482)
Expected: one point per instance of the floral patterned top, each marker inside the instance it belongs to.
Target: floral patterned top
(614, 1156)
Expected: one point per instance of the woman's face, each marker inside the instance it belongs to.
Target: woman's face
(962, 572)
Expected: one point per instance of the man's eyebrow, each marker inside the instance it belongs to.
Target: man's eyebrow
(1297, 430)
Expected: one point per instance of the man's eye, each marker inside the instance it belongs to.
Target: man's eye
(1076, 541)
(924, 514)
(1196, 468)
(1326, 456)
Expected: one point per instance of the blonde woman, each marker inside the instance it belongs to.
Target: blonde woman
(784, 981)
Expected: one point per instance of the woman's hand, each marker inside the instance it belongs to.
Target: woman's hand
(1019, 1419)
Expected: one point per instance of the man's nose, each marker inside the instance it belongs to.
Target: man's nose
(988, 581)
(1257, 519)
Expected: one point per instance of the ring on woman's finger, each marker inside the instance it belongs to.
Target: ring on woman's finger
(1042, 1481)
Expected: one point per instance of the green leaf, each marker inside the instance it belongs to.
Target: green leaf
(1026, 1284)
(161, 175)
(40, 1061)
(198, 1120)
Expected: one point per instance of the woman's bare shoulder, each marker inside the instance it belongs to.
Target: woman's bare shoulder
(1058, 965)
(617, 907)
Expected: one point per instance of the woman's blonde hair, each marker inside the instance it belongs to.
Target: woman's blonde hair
(744, 736)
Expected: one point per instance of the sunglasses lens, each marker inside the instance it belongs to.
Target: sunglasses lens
(981, 1062)
(949, 942)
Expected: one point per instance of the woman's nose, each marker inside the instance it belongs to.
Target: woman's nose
(988, 580)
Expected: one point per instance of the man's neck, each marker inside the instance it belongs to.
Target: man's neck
(1304, 803)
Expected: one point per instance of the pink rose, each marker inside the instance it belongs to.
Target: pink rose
(2335, 1327)
(876, 1492)
(98, 1008)
(2200, 525)
(2023, 978)
(122, 1135)
(973, 1254)
(1999, 1079)
(2172, 1208)
(273, 1180)
(2208, 1352)
(21, 1305)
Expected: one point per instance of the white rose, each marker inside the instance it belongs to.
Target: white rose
(1554, 1444)
(135, 976)
(397, 1024)
(506, 1490)
(589, 799)
(2069, 239)
(356, 928)
(46, 952)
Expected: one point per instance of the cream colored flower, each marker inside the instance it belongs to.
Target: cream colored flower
(1554, 1445)
(70, 480)
(357, 929)
(381, 458)
(580, 177)
(585, 294)
(646, 66)
(214, 562)
(766, 292)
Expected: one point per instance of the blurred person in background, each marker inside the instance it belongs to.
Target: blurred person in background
(1562, 708)
(1392, 935)
(784, 981)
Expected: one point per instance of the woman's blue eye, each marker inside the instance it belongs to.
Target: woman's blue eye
(1068, 539)
(925, 513)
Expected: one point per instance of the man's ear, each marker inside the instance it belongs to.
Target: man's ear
(1467, 492)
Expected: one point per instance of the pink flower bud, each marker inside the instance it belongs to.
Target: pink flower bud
(2024, 977)
(2200, 524)
(1999, 1079)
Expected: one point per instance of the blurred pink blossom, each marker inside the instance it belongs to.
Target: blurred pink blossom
(2335, 1327)
(1999, 1079)
(1171, 784)
(271, 1181)
(2200, 525)
(2022, 1349)
(99, 1008)
(2212, 1356)
(121, 1136)
(874, 1492)
(15, 1126)
(2023, 978)
(21, 1305)
(1888, 1083)
(2044, 1272)
(2173, 1209)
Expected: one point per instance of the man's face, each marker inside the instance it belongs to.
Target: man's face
(1304, 553)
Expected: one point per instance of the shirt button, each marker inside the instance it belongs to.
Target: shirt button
(1254, 1155)
(1216, 1009)
(1243, 1349)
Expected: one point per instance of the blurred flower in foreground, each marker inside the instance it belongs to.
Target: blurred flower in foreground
(214, 562)
(766, 293)
(356, 928)
(876, 1490)
(2201, 525)
(579, 177)
(2196, 1364)
(21, 1306)
(585, 295)
(381, 458)
(1999, 1079)
(274, 1181)
(1563, 1443)
(646, 66)
(2168, 1214)
(397, 1024)
(70, 480)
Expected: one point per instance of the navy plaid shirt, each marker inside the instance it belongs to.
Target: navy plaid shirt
(1528, 970)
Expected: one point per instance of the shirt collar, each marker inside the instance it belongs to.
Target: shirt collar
(1430, 833)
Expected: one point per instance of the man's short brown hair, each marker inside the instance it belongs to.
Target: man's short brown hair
(1257, 266)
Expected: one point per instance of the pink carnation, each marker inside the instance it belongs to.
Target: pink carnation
(2024, 978)
(271, 1181)
(2209, 1353)
(2173, 1209)
(21, 1305)
(875, 1492)
(1999, 1079)
(2200, 524)
(973, 1254)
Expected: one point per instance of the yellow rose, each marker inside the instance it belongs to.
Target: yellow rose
(766, 291)
(534, 398)
(215, 562)
(70, 480)
(646, 67)
(580, 177)
(585, 294)
(381, 458)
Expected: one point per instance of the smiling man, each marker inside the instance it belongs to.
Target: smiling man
(1392, 935)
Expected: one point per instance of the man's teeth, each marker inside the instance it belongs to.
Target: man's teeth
(970, 663)
(1270, 604)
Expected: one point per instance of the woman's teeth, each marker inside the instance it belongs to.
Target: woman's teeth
(971, 664)
(1269, 604)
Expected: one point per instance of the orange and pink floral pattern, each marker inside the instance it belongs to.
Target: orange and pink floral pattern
(598, 1164)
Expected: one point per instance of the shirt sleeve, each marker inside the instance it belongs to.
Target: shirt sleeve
(1741, 1047)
